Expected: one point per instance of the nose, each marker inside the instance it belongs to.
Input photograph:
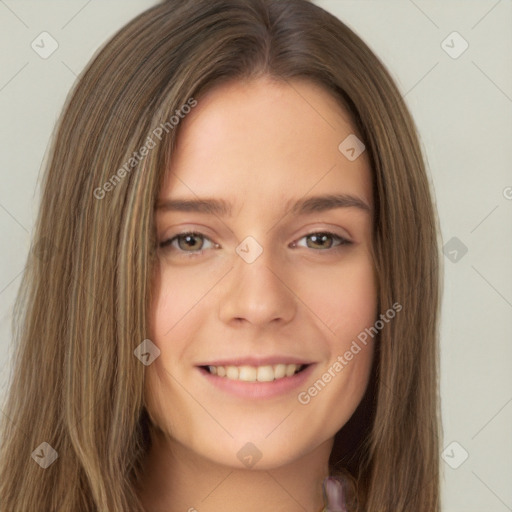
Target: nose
(258, 293)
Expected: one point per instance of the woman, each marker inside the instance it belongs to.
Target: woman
(234, 287)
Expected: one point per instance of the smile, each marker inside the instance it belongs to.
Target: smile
(257, 381)
(265, 373)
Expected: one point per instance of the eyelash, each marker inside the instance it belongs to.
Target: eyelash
(191, 254)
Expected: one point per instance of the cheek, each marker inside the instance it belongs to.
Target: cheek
(173, 297)
(342, 297)
(177, 293)
(345, 300)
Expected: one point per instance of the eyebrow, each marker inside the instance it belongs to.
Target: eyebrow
(304, 206)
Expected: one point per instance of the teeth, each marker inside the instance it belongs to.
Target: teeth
(279, 371)
(266, 373)
(289, 370)
(232, 372)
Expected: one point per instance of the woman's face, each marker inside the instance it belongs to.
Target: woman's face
(276, 278)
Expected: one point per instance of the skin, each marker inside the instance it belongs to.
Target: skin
(258, 145)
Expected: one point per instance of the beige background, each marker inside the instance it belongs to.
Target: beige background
(463, 108)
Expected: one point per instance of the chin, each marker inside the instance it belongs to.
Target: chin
(251, 451)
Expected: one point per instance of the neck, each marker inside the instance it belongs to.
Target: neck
(178, 480)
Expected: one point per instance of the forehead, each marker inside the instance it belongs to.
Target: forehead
(265, 138)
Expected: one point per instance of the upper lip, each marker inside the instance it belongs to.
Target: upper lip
(257, 361)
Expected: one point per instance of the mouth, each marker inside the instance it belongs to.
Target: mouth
(266, 380)
(263, 373)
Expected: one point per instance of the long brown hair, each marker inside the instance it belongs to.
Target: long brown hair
(83, 304)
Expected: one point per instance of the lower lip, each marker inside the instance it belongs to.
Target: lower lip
(259, 389)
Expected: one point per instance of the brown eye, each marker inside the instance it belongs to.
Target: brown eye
(187, 244)
(324, 240)
(190, 241)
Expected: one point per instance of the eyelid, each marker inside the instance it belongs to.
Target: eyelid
(341, 238)
(168, 242)
(342, 241)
